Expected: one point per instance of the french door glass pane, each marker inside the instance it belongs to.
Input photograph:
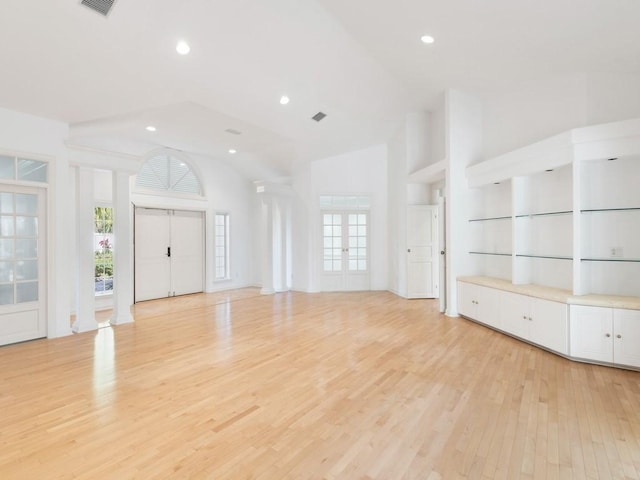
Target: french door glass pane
(6, 202)
(26, 226)
(26, 204)
(6, 271)
(357, 242)
(6, 247)
(26, 292)
(6, 294)
(6, 227)
(332, 242)
(19, 242)
(27, 270)
(25, 248)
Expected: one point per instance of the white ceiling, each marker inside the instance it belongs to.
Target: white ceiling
(361, 62)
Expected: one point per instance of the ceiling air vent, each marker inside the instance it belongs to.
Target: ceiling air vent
(233, 131)
(101, 6)
(318, 116)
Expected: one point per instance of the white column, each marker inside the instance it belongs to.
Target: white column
(85, 288)
(267, 244)
(122, 252)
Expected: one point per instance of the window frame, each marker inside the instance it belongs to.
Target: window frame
(226, 246)
(103, 293)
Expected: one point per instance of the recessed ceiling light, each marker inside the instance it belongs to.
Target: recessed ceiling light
(232, 151)
(427, 39)
(151, 128)
(284, 100)
(183, 47)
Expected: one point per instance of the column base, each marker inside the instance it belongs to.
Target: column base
(81, 327)
(121, 319)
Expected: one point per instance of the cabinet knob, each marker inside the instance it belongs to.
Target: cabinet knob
(524, 317)
(607, 335)
(530, 319)
(618, 336)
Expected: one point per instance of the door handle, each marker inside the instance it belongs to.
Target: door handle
(168, 251)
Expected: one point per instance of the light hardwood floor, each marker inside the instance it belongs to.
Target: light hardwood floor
(309, 386)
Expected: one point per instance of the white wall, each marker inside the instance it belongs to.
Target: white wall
(359, 172)
(40, 137)
(532, 112)
(612, 97)
(464, 147)
(539, 109)
(397, 185)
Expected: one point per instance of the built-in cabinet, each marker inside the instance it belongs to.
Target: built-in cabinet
(609, 335)
(539, 321)
(596, 334)
(479, 302)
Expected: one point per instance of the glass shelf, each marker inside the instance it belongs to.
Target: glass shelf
(489, 219)
(488, 253)
(629, 260)
(545, 214)
(625, 209)
(552, 257)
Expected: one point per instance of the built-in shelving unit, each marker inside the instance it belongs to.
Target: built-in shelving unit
(562, 213)
(490, 226)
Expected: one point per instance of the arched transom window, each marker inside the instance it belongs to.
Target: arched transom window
(166, 173)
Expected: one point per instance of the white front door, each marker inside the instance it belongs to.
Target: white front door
(422, 251)
(22, 264)
(187, 252)
(345, 251)
(169, 253)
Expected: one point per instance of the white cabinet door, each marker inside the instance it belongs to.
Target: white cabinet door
(591, 333)
(480, 303)
(626, 343)
(467, 293)
(487, 306)
(549, 326)
(514, 312)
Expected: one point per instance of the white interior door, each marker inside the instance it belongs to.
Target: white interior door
(345, 251)
(22, 264)
(422, 251)
(169, 253)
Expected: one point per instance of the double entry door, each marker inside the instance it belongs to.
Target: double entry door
(169, 253)
(345, 250)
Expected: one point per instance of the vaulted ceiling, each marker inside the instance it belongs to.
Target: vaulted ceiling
(360, 62)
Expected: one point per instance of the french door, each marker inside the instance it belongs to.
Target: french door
(22, 264)
(345, 250)
(169, 253)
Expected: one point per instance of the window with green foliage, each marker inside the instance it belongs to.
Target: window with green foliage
(103, 248)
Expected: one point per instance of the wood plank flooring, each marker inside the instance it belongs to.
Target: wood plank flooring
(309, 386)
